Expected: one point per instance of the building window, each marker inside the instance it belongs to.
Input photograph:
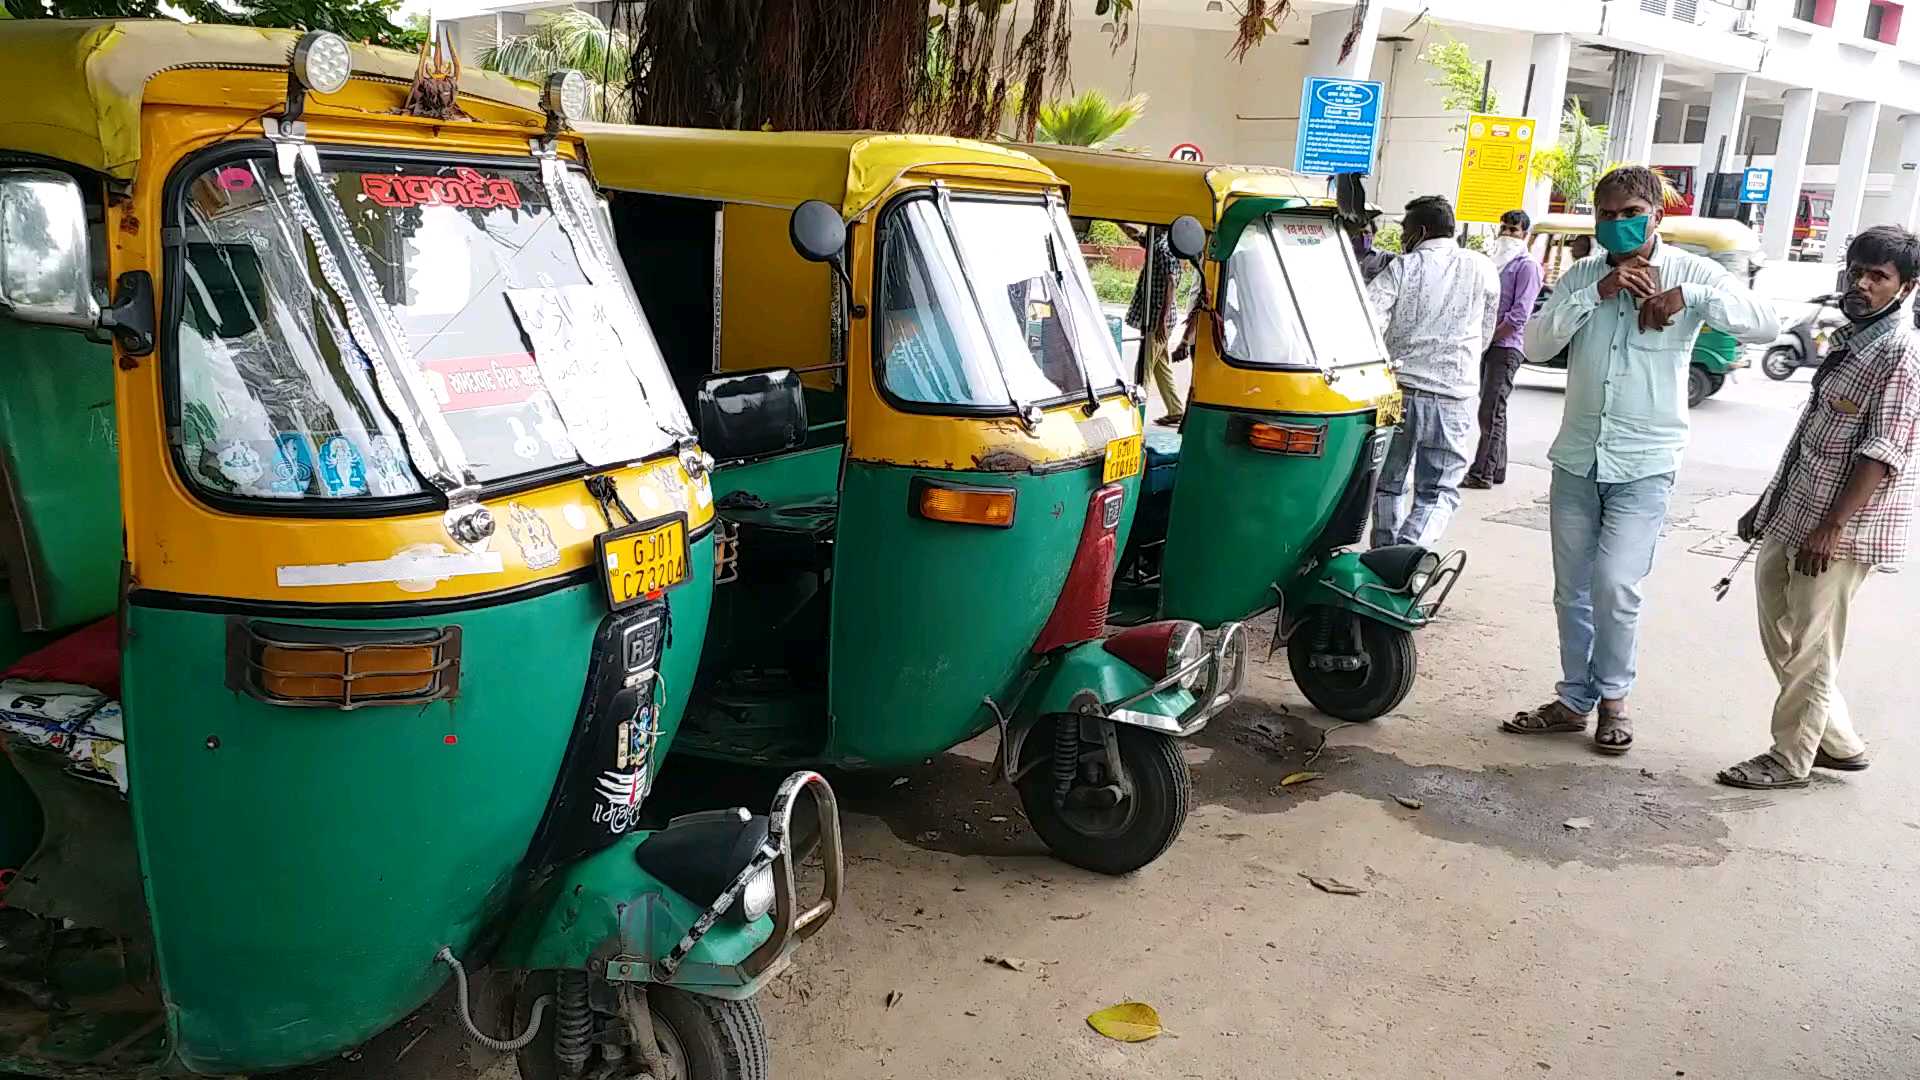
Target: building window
(1819, 12)
(1883, 21)
(1694, 130)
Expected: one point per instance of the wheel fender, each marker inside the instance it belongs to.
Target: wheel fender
(1085, 679)
(1347, 583)
(606, 906)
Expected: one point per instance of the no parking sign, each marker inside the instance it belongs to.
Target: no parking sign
(1186, 151)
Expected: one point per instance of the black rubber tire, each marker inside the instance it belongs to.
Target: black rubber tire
(1779, 363)
(722, 1040)
(1699, 385)
(1162, 792)
(1715, 383)
(1371, 693)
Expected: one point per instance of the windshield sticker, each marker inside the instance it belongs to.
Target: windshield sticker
(389, 475)
(239, 463)
(480, 382)
(532, 536)
(1302, 234)
(340, 470)
(466, 189)
(585, 370)
(292, 467)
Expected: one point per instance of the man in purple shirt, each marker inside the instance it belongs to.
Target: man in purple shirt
(1519, 286)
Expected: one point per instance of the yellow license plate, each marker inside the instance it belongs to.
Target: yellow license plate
(642, 561)
(1123, 459)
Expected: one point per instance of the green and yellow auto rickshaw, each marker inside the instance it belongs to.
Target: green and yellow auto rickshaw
(359, 553)
(925, 548)
(1255, 503)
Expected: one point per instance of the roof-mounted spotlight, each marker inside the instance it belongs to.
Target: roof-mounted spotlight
(565, 98)
(322, 62)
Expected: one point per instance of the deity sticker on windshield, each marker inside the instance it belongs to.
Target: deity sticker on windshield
(292, 466)
(239, 463)
(340, 469)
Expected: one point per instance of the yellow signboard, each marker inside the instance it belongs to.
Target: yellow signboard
(1493, 169)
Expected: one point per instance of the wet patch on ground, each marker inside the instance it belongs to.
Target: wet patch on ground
(1623, 815)
(1683, 511)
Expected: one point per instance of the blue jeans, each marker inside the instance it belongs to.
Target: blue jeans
(1604, 537)
(1435, 443)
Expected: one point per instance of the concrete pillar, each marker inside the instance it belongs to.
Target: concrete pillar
(1551, 54)
(1636, 106)
(1329, 30)
(1856, 157)
(1904, 204)
(1789, 170)
(1723, 123)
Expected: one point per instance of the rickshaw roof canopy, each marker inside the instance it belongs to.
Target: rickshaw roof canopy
(74, 87)
(1153, 191)
(850, 170)
(1714, 234)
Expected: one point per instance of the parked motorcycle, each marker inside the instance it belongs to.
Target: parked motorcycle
(1803, 343)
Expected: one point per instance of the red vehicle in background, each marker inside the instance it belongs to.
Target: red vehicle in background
(1681, 177)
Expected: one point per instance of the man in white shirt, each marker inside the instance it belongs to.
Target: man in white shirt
(1437, 303)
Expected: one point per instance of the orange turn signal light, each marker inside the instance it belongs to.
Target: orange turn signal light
(1286, 439)
(376, 671)
(965, 505)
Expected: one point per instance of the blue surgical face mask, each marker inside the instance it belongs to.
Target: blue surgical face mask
(1623, 236)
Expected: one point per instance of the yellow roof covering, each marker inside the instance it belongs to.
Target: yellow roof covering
(847, 169)
(1154, 191)
(73, 87)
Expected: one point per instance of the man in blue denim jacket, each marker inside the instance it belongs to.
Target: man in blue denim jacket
(1628, 320)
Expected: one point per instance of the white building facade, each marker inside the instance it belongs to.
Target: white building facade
(1826, 93)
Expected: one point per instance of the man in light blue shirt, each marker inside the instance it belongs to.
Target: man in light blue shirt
(1630, 318)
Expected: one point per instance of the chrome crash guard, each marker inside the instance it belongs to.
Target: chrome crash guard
(1225, 667)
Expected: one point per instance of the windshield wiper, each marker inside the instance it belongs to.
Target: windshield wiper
(1029, 414)
(1063, 308)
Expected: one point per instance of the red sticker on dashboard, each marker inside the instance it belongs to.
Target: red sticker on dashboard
(466, 189)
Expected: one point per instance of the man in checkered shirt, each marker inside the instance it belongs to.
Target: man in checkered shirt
(1840, 505)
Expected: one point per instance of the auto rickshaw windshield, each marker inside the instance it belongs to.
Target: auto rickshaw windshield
(522, 345)
(998, 311)
(1292, 298)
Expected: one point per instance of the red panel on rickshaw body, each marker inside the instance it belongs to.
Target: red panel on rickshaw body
(1080, 614)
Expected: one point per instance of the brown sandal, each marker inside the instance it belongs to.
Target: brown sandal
(1550, 719)
(1613, 734)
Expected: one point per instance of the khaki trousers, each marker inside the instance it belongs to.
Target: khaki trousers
(1803, 630)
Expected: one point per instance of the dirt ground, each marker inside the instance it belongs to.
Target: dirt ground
(1686, 930)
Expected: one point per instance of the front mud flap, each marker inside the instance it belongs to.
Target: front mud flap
(1348, 584)
(605, 914)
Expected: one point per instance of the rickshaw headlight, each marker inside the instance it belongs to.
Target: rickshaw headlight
(1183, 648)
(756, 898)
(1158, 649)
(1423, 572)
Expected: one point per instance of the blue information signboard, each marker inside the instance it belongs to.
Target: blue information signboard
(1756, 185)
(1339, 126)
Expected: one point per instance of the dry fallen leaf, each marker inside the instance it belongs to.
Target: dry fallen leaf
(1129, 1021)
(1070, 918)
(893, 998)
(1332, 885)
(1579, 823)
(1299, 778)
(1409, 802)
(1011, 963)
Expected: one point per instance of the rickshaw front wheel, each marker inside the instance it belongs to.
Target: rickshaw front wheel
(1344, 683)
(700, 1038)
(1699, 385)
(1096, 829)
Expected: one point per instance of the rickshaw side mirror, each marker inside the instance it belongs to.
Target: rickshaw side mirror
(817, 232)
(1188, 238)
(46, 269)
(753, 414)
